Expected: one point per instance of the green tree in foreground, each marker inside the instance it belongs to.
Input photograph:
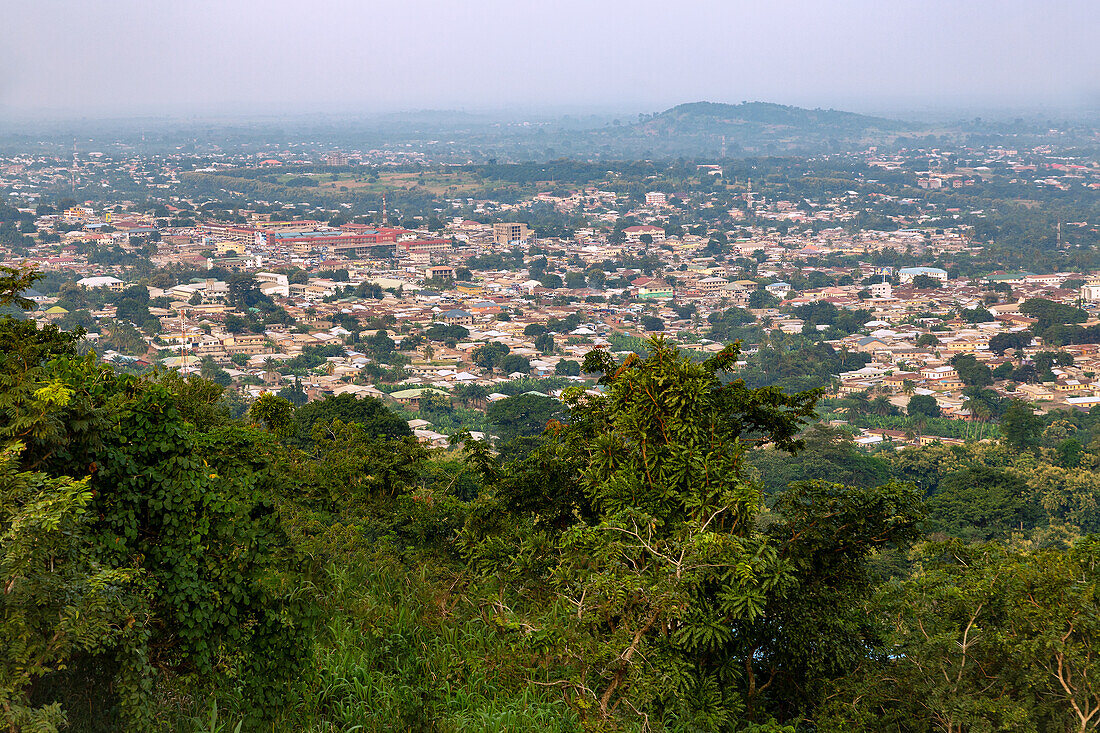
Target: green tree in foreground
(58, 600)
(982, 638)
(136, 544)
(673, 602)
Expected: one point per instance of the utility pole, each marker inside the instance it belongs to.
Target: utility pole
(183, 343)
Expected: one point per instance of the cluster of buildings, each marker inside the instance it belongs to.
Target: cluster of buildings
(635, 265)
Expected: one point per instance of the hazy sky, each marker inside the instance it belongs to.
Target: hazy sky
(120, 57)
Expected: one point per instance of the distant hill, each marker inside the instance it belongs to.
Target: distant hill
(752, 128)
(732, 118)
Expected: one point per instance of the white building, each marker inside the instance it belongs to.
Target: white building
(102, 281)
(881, 290)
(1091, 290)
(273, 283)
(778, 289)
(906, 274)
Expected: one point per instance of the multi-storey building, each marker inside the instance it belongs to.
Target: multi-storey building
(507, 232)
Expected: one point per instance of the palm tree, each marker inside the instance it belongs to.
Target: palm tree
(908, 387)
(981, 412)
(973, 406)
(881, 406)
(920, 424)
(858, 404)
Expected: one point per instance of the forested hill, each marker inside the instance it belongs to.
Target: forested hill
(758, 116)
(753, 128)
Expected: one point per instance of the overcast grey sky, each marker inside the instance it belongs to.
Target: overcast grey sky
(119, 57)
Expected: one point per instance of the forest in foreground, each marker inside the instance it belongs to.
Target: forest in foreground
(166, 567)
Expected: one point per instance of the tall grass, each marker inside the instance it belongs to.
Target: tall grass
(395, 653)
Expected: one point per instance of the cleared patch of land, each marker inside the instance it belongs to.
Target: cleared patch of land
(440, 183)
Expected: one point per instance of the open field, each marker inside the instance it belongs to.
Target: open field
(436, 182)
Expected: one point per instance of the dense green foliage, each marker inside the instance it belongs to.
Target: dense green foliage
(371, 414)
(982, 638)
(523, 415)
(797, 363)
(164, 532)
(827, 452)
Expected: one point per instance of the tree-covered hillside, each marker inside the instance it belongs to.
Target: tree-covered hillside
(727, 117)
(751, 128)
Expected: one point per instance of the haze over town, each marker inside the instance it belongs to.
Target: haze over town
(200, 57)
